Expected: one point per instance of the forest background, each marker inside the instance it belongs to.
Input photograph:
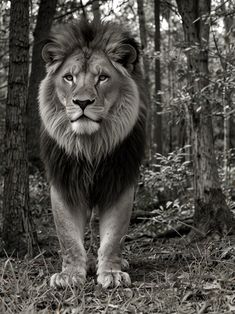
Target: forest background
(186, 189)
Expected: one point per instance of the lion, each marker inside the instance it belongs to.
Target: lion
(93, 113)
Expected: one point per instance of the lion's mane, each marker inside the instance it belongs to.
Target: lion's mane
(97, 168)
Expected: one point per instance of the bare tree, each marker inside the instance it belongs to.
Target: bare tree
(227, 61)
(211, 212)
(157, 108)
(17, 225)
(45, 16)
(96, 10)
(143, 40)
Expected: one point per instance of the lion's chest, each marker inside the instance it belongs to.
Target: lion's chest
(95, 185)
(98, 184)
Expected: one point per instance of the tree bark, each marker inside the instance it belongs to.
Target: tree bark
(211, 212)
(143, 40)
(227, 94)
(45, 16)
(17, 225)
(157, 107)
(96, 10)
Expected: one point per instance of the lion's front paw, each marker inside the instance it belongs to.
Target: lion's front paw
(66, 278)
(111, 279)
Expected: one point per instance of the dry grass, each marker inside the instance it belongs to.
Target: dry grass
(167, 275)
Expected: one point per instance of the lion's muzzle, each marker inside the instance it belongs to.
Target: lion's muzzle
(83, 103)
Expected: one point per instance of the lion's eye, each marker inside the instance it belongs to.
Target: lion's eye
(103, 77)
(68, 77)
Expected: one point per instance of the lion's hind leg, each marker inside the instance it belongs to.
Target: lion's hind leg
(70, 224)
(114, 223)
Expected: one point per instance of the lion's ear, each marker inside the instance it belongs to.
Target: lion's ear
(129, 53)
(47, 53)
(125, 54)
(50, 53)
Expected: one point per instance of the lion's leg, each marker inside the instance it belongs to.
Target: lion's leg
(114, 223)
(70, 224)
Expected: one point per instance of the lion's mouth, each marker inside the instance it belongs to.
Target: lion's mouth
(84, 118)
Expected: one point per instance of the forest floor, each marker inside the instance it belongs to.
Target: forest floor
(169, 275)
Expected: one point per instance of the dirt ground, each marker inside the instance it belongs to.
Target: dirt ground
(169, 275)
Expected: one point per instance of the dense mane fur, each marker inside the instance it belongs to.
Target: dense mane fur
(93, 168)
(98, 184)
(108, 37)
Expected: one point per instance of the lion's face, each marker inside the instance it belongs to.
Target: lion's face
(88, 88)
(89, 100)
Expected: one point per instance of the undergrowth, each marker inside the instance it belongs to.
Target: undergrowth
(168, 276)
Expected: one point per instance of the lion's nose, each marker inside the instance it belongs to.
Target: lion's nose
(83, 103)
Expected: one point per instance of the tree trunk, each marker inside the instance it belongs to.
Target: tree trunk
(211, 212)
(226, 62)
(45, 16)
(143, 40)
(96, 10)
(17, 225)
(157, 107)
